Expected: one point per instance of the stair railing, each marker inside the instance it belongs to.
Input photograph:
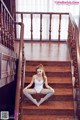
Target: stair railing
(7, 38)
(49, 18)
(73, 43)
(7, 27)
(20, 76)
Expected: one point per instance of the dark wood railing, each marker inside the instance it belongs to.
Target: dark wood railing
(7, 38)
(20, 76)
(73, 43)
(41, 17)
(7, 27)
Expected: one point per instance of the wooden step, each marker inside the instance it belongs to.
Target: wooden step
(59, 95)
(48, 63)
(47, 117)
(51, 74)
(49, 68)
(50, 108)
(55, 85)
(63, 91)
(55, 98)
(56, 80)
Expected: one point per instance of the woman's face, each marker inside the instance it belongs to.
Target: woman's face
(39, 71)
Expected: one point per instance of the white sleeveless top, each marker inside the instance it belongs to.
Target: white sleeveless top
(38, 85)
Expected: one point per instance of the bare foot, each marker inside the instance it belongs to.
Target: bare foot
(41, 101)
(35, 102)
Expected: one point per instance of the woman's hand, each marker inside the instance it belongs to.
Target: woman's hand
(47, 86)
(31, 83)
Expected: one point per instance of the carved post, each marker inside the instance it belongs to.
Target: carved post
(7, 27)
(40, 27)
(9, 33)
(5, 38)
(2, 28)
(31, 27)
(59, 27)
(50, 28)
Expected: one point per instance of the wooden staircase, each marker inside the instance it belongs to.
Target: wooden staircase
(61, 105)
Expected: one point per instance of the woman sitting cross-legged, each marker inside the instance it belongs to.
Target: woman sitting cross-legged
(39, 80)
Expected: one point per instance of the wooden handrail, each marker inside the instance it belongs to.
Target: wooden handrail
(42, 13)
(19, 74)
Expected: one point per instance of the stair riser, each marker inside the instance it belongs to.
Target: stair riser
(48, 63)
(55, 80)
(50, 69)
(48, 112)
(48, 118)
(53, 85)
(50, 74)
(55, 98)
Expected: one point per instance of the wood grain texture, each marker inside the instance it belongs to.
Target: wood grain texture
(47, 117)
(60, 105)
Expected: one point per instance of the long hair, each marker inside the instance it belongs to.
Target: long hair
(40, 66)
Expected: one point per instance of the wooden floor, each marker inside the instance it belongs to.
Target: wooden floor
(46, 51)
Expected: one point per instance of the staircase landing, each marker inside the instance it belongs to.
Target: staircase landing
(47, 51)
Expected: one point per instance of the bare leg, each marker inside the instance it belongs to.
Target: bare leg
(28, 92)
(48, 93)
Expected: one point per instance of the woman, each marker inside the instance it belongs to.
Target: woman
(38, 79)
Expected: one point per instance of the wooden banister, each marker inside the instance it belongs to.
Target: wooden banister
(6, 27)
(7, 36)
(43, 13)
(19, 74)
(6, 9)
(73, 42)
(49, 29)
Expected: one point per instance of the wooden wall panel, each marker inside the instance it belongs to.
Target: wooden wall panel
(7, 65)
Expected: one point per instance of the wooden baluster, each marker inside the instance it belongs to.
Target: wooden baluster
(12, 24)
(7, 30)
(0, 22)
(0, 28)
(9, 34)
(50, 28)
(12, 35)
(59, 27)
(21, 17)
(2, 31)
(31, 27)
(40, 27)
(4, 26)
(5, 43)
(11, 40)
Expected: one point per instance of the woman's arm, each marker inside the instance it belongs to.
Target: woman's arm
(31, 83)
(47, 86)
